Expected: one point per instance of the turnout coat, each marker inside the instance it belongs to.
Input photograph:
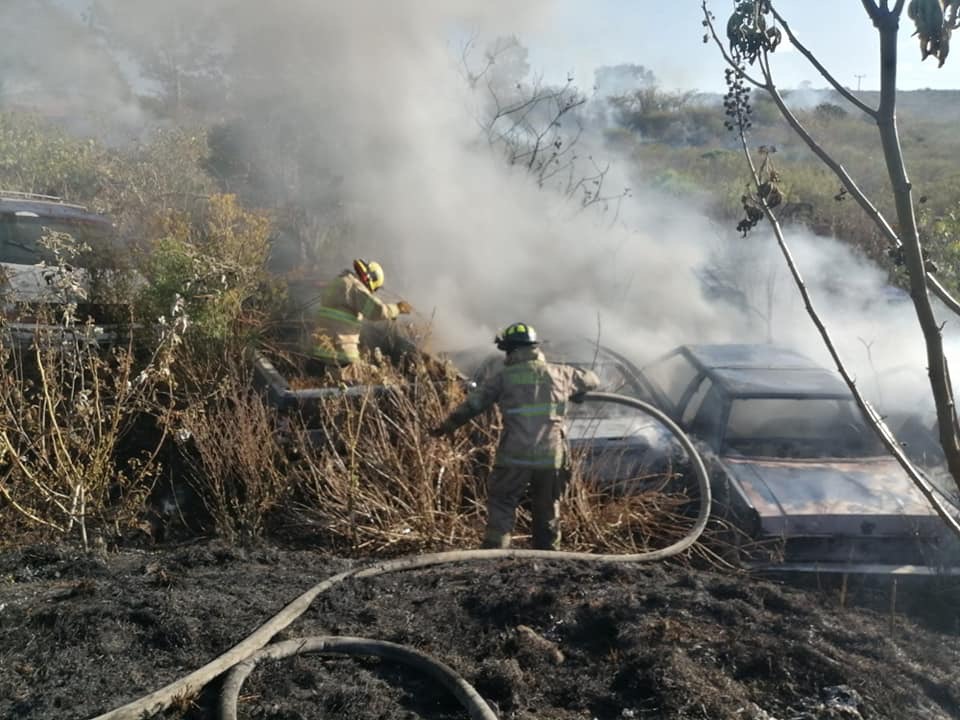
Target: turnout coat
(532, 394)
(345, 304)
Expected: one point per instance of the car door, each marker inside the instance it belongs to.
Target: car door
(19, 255)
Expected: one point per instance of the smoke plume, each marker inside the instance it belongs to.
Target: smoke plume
(380, 110)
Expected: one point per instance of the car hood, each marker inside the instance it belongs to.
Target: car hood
(866, 497)
(623, 454)
(36, 283)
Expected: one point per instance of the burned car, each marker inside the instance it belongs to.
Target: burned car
(793, 461)
(55, 255)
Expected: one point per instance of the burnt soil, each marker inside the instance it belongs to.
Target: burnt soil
(83, 633)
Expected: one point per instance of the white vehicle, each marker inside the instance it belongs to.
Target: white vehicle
(53, 256)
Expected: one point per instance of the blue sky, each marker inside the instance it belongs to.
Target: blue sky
(576, 36)
(666, 37)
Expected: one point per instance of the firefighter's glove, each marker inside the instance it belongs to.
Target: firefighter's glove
(578, 397)
(441, 430)
(404, 308)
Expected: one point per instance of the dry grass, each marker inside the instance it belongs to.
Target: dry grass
(647, 511)
(238, 461)
(371, 478)
(67, 411)
(356, 475)
(595, 521)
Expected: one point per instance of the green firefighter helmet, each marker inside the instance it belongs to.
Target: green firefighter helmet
(516, 336)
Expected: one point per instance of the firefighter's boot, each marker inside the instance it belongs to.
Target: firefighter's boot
(495, 540)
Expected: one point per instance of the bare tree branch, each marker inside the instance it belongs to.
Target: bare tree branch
(849, 96)
(849, 183)
(907, 240)
(937, 365)
(873, 10)
(872, 417)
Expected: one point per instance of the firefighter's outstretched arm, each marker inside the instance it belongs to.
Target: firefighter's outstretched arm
(478, 401)
(373, 308)
(584, 381)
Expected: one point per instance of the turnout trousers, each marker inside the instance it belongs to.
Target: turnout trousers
(506, 487)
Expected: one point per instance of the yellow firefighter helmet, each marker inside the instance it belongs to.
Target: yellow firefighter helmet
(370, 273)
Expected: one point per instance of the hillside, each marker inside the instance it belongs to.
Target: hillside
(681, 147)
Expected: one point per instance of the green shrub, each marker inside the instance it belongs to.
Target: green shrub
(211, 261)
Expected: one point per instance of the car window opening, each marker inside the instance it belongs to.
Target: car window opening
(799, 428)
(673, 375)
(21, 235)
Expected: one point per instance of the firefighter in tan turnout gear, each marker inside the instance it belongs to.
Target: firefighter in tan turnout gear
(345, 303)
(532, 394)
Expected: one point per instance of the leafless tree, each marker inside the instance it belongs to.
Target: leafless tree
(535, 124)
(753, 32)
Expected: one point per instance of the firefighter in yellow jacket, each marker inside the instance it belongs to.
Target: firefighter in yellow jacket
(533, 396)
(345, 303)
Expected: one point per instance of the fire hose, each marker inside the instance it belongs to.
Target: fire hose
(244, 656)
(464, 692)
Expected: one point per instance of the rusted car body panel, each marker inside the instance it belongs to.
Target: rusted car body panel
(796, 465)
(871, 497)
(621, 454)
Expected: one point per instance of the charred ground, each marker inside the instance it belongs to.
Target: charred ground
(81, 634)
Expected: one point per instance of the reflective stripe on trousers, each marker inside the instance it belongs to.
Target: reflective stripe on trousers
(552, 460)
(324, 353)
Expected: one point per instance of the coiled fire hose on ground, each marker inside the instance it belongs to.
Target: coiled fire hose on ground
(251, 650)
(464, 692)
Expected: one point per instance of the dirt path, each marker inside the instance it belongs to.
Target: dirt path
(80, 635)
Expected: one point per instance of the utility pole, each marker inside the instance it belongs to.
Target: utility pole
(859, 78)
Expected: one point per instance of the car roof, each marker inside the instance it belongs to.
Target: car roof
(765, 371)
(577, 352)
(49, 209)
(751, 356)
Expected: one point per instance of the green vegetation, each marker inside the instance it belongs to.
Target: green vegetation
(37, 156)
(707, 156)
(204, 205)
(162, 433)
(86, 427)
(211, 259)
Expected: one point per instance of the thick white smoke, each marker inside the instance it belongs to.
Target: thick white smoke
(374, 94)
(468, 240)
(872, 324)
(51, 63)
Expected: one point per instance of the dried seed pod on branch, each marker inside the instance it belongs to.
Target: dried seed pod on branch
(750, 32)
(932, 27)
(768, 192)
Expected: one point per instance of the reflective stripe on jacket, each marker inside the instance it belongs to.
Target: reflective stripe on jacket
(345, 304)
(532, 395)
